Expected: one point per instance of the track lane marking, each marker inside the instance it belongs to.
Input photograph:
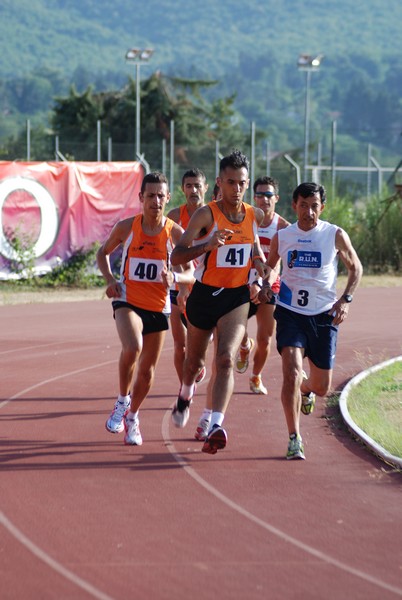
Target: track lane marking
(261, 523)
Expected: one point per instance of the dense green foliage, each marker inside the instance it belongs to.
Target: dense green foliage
(217, 67)
(250, 48)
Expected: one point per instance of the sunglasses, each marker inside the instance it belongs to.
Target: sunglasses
(266, 194)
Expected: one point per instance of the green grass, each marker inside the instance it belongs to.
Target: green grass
(375, 405)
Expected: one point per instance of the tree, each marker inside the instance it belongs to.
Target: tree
(198, 123)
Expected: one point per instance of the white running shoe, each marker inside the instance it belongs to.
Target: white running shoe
(133, 434)
(308, 403)
(295, 447)
(181, 412)
(216, 440)
(201, 432)
(256, 385)
(201, 375)
(243, 357)
(115, 422)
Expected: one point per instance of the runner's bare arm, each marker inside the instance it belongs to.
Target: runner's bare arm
(201, 220)
(349, 257)
(117, 236)
(183, 273)
(272, 269)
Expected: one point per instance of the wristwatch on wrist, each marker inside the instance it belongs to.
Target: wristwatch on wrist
(348, 298)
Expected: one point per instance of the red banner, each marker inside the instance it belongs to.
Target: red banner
(60, 207)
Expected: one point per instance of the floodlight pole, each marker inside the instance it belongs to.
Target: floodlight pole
(307, 63)
(138, 57)
(137, 110)
(306, 124)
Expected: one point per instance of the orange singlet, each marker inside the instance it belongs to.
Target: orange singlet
(143, 259)
(184, 218)
(228, 266)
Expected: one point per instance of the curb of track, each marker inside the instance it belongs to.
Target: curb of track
(394, 461)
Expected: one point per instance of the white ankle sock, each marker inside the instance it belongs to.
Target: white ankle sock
(125, 399)
(216, 419)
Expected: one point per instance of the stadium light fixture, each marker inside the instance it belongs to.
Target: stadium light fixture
(138, 56)
(308, 63)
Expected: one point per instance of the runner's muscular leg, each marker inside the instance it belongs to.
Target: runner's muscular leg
(319, 381)
(229, 332)
(129, 329)
(196, 349)
(179, 339)
(151, 350)
(292, 364)
(265, 331)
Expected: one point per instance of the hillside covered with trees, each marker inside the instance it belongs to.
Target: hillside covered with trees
(250, 50)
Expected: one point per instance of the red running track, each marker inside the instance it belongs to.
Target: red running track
(82, 516)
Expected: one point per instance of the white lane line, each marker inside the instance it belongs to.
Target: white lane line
(274, 530)
(23, 348)
(53, 564)
(56, 378)
(20, 536)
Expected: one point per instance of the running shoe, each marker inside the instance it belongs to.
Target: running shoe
(201, 375)
(181, 412)
(201, 432)
(115, 422)
(295, 447)
(216, 440)
(307, 403)
(243, 356)
(133, 434)
(256, 385)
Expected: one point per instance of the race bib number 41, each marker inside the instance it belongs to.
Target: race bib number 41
(233, 256)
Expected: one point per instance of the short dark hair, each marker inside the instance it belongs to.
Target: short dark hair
(154, 177)
(194, 172)
(309, 189)
(235, 160)
(265, 180)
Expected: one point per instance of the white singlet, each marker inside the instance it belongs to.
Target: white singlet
(309, 268)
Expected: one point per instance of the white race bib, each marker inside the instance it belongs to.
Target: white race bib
(144, 269)
(233, 256)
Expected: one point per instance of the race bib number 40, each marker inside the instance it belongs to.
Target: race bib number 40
(143, 269)
(233, 256)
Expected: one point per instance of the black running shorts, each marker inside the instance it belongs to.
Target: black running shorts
(152, 322)
(207, 304)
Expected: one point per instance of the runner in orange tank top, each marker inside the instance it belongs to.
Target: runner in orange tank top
(194, 186)
(141, 298)
(220, 296)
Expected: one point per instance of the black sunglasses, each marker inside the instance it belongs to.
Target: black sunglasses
(267, 194)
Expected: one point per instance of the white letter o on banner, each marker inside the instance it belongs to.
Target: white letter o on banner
(48, 213)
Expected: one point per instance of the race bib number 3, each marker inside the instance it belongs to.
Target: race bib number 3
(302, 298)
(233, 256)
(142, 269)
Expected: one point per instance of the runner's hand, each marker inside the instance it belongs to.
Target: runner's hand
(113, 289)
(265, 294)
